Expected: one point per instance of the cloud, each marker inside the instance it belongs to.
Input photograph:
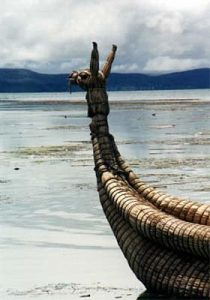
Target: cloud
(152, 35)
(168, 64)
(133, 67)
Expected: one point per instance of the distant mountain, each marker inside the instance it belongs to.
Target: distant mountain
(193, 79)
(22, 80)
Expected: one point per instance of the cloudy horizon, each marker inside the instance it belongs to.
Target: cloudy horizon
(153, 36)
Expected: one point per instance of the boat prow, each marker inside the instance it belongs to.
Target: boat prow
(165, 239)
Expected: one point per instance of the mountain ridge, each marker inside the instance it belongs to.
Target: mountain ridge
(24, 80)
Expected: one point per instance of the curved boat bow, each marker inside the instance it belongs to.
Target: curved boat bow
(165, 239)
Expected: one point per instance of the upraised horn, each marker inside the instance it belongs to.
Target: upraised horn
(94, 61)
(108, 64)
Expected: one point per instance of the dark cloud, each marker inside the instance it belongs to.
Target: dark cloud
(152, 35)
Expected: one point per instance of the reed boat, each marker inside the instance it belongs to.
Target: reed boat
(165, 239)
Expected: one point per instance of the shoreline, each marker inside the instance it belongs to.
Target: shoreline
(112, 102)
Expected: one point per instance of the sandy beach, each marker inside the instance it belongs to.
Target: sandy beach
(55, 242)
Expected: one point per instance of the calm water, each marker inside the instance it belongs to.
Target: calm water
(54, 239)
(202, 94)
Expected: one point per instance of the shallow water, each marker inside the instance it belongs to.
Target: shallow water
(54, 240)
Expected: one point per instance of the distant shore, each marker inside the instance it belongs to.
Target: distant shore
(112, 102)
(23, 80)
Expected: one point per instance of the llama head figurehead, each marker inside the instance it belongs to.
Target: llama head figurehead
(93, 77)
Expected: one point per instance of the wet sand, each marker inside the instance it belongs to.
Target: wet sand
(55, 241)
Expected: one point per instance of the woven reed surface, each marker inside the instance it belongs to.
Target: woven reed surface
(182, 208)
(167, 254)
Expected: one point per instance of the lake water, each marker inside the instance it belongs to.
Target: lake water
(202, 94)
(55, 242)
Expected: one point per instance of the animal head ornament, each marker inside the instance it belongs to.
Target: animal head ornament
(93, 81)
(93, 77)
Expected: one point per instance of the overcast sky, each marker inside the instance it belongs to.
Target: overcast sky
(54, 36)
